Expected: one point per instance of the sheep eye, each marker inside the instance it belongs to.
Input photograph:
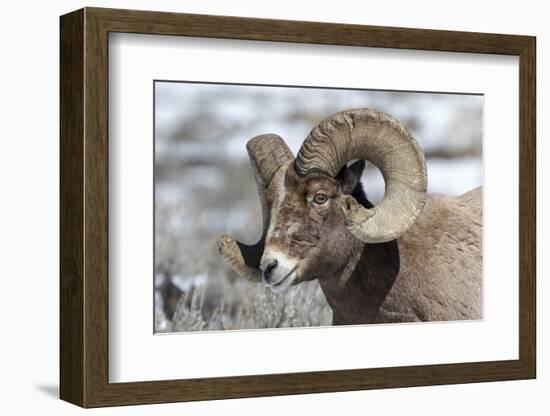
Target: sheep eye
(320, 198)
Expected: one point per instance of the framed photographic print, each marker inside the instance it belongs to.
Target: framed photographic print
(255, 207)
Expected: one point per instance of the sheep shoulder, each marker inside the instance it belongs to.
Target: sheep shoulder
(440, 273)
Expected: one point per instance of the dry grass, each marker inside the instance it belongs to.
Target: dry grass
(224, 305)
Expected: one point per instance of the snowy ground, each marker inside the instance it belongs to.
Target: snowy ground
(204, 187)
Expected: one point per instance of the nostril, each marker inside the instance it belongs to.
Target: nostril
(271, 265)
(268, 269)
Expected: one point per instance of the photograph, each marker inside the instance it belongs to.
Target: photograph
(303, 203)
(296, 206)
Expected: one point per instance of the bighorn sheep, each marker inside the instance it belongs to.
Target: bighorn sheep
(413, 257)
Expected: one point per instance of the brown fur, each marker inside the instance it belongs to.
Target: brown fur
(311, 233)
(423, 259)
(431, 273)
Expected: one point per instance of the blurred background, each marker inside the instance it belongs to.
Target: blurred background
(204, 187)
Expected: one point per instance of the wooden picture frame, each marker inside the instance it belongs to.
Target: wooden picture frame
(84, 207)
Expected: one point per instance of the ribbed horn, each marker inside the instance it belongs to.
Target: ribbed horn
(267, 152)
(381, 139)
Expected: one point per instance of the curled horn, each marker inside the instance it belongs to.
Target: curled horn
(379, 138)
(267, 152)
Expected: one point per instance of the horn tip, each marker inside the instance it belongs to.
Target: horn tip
(262, 140)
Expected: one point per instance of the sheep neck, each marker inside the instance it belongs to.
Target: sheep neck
(356, 293)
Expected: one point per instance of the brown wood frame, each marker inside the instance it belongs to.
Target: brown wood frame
(84, 208)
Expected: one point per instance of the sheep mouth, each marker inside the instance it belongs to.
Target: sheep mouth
(280, 282)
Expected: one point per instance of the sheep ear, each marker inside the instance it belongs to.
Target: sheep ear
(349, 176)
